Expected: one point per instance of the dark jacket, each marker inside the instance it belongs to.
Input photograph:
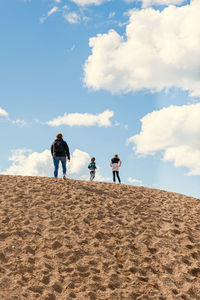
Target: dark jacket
(92, 166)
(65, 149)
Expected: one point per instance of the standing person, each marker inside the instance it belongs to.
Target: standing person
(59, 151)
(115, 165)
(92, 167)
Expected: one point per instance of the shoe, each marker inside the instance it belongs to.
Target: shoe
(64, 176)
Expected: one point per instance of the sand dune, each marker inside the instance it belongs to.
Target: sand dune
(86, 240)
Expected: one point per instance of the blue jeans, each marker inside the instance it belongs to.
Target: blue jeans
(56, 160)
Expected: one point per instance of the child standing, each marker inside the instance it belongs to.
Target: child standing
(92, 167)
(115, 165)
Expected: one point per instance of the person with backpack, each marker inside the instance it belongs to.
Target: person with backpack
(115, 165)
(59, 151)
(92, 167)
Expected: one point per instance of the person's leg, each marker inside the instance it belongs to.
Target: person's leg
(92, 175)
(63, 162)
(113, 176)
(117, 172)
(56, 164)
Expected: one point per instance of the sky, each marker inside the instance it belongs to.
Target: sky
(115, 77)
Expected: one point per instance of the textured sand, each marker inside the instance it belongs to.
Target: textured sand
(86, 240)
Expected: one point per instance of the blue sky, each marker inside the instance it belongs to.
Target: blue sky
(113, 77)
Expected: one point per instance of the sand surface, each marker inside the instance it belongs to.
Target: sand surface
(85, 240)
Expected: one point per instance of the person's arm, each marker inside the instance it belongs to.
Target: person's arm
(111, 163)
(52, 149)
(67, 150)
(120, 163)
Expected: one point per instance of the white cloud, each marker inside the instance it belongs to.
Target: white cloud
(58, 1)
(186, 156)
(20, 123)
(175, 131)
(160, 51)
(135, 181)
(85, 119)
(148, 3)
(89, 2)
(28, 163)
(72, 17)
(3, 113)
(52, 11)
(79, 162)
(49, 13)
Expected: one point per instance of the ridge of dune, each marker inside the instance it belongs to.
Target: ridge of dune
(93, 240)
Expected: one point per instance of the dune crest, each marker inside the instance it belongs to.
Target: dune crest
(86, 240)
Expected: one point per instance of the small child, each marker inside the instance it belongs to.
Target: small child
(115, 165)
(92, 167)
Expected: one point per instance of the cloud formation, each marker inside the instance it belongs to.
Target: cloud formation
(85, 119)
(79, 162)
(134, 181)
(3, 113)
(28, 163)
(52, 11)
(20, 123)
(159, 51)
(89, 2)
(72, 17)
(148, 3)
(175, 131)
(49, 13)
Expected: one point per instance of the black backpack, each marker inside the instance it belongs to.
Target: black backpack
(58, 146)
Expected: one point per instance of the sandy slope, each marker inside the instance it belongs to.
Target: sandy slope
(82, 240)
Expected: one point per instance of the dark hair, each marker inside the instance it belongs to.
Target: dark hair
(116, 156)
(93, 159)
(59, 135)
